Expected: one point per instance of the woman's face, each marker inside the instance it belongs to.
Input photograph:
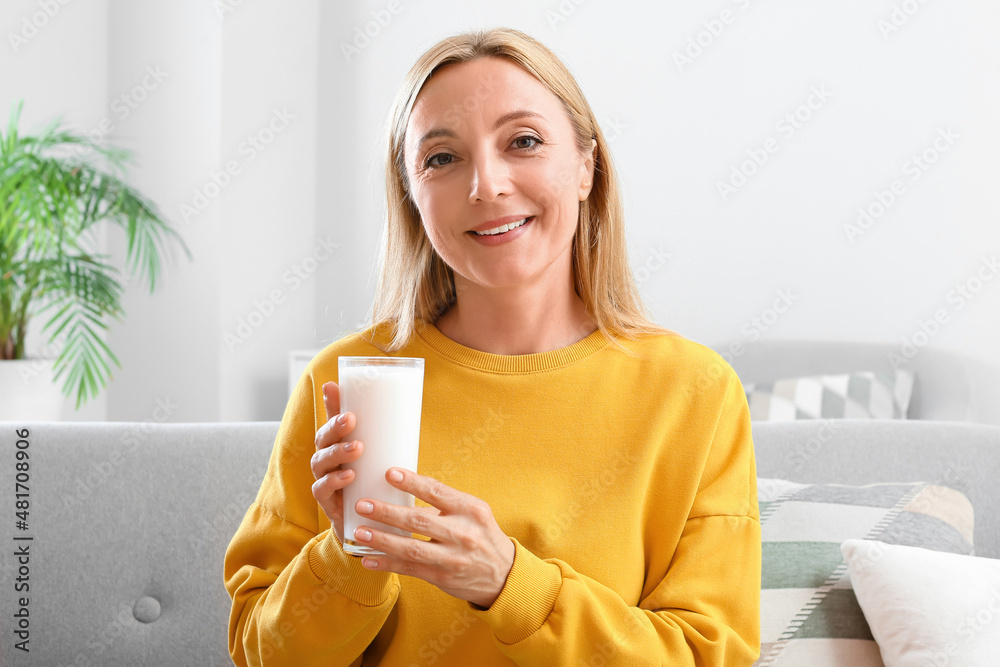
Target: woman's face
(488, 146)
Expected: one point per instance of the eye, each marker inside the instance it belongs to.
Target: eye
(439, 160)
(526, 142)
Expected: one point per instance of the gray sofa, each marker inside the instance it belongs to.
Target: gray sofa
(129, 521)
(948, 386)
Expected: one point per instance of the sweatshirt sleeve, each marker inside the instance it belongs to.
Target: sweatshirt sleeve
(705, 610)
(297, 598)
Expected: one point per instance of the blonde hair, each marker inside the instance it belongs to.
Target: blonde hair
(414, 282)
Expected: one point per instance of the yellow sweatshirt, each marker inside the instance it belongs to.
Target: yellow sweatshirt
(626, 483)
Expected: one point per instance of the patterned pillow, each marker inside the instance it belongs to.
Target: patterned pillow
(857, 395)
(809, 613)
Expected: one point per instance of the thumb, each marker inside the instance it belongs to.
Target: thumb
(331, 399)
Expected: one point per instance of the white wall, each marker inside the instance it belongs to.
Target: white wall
(269, 251)
(676, 132)
(679, 128)
(56, 63)
(229, 148)
(348, 133)
(168, 344)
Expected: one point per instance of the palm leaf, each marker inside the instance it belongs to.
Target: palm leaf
(50, 206)
(85, 297)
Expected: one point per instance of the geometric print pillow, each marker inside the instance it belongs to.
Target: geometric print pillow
(809, 614)
(857, 395)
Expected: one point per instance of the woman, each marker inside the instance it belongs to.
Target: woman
(588, 477)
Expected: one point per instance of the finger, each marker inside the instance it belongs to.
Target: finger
(331, 399)
(334, 429)
(325, 488)
(330, 458)
(402, 554)
(387, 563)
(429, 490)
(411, 519)
(337, 425)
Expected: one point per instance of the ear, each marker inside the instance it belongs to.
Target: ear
(587, 171)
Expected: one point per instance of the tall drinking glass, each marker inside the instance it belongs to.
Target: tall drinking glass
(385, 395)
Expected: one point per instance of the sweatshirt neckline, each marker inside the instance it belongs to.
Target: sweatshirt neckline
(514, 363)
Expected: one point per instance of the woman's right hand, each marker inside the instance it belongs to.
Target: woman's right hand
(331, 453)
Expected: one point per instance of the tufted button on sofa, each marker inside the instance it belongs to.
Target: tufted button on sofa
(129, 522)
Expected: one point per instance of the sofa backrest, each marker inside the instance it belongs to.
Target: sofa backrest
(948, 386)
(129, 525)
(129, 522)
(855, 452)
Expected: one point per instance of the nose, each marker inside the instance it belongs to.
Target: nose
(490, 178)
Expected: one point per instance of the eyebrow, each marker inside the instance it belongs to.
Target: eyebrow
(502, 120)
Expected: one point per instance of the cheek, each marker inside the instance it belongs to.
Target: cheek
(428, 203)
(437, 217)
(431, 229)
(553, 184)
(438, 194)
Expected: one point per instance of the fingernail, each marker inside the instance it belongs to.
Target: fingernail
(342, 419)
(395, 476)
(344, 474)
(350, 447)
(369, 562)
(363, 535)
(365, 508)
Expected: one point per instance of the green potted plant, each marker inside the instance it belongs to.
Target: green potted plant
(54, 193)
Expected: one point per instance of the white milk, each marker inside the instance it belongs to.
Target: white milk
(386, 403)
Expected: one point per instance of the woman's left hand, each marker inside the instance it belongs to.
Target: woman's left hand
(468, 556)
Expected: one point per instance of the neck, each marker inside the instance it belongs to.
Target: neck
(509, 321)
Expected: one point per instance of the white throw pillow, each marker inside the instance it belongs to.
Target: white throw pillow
(927, 607)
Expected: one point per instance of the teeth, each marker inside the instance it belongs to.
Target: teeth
(502, 228)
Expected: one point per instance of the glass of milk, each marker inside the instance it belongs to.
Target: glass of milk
(385, 395)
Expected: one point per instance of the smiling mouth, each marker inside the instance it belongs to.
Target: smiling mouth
(503, 229)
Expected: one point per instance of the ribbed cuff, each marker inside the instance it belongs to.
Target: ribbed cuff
(347, 575)
(527, 597)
